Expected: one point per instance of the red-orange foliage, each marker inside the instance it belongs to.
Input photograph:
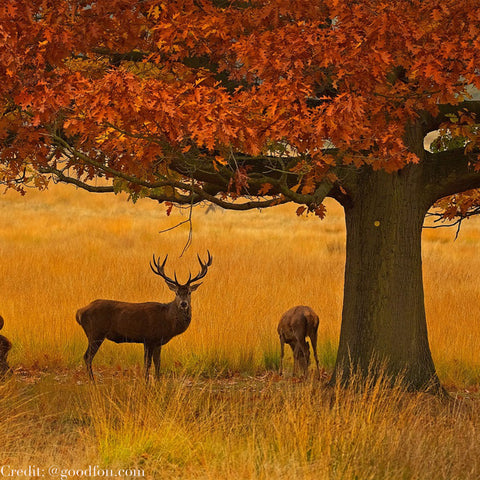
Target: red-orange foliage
(132, 87)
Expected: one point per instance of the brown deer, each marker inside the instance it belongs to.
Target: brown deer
(5, 347)
(295, 325)
(151, 323)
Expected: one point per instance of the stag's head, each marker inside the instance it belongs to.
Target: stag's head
(182, 291)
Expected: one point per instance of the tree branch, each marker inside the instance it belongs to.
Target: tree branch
(431, 123)
(441, 222)
(450, 172)
(151, 189)
(213, 180)
(61, 177)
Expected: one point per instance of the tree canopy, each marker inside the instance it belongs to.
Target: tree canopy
(249, 104)
(190, 100)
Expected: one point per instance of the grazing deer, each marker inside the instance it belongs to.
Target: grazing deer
(151, 323)
(295, 325)
(5, 346)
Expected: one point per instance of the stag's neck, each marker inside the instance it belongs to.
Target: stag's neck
(182, 318)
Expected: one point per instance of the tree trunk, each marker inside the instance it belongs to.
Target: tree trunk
(383, 321)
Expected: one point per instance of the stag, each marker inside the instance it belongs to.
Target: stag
(151, 323)
(5, 346)
(295, 325)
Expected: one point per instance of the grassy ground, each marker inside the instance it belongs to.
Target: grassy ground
(220, 410)
(236, 427)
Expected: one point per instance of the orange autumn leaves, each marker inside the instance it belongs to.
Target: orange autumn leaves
(134, 83)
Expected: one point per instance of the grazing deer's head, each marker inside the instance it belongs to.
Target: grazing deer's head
(182, 292)
(304, 357)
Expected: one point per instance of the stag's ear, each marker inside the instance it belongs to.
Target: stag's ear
(172, 287)
(192, 288)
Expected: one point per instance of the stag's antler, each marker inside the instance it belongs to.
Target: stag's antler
(158, 269)
(203, 271)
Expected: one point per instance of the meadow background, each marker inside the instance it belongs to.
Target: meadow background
(220, 411)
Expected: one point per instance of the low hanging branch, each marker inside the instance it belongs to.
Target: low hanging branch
(207, 179)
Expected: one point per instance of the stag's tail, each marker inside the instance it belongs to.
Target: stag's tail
(78, 317)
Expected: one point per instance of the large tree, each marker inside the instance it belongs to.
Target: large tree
(249, 104)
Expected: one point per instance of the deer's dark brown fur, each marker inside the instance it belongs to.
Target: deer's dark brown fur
(295, 325)
(5, 346)
(151, 323)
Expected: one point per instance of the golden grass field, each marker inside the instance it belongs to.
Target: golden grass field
(220, 410)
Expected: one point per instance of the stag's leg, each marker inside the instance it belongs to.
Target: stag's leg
(156, 360)
(282, 353)
(148, 353)
(313, 339)
(92, 349)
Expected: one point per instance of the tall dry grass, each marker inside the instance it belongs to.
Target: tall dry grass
(63, 248)
(60, 250)
(242, 428)
(219, 411)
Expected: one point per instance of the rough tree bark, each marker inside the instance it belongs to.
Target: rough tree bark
(383, 319)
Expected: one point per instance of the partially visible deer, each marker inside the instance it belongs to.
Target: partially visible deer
(151, 323)
(5, 346)
(295, 325)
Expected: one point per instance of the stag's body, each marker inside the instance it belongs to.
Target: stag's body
(295, 325)
(151, 323)
(5, 347)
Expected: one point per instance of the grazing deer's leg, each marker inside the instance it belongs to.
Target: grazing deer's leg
(299, 350)
(313, 339)
(148, 353)
(282, 353)
(301, 356)
(295, 351)
(92, 349)
(156, 360)
(306, 357)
